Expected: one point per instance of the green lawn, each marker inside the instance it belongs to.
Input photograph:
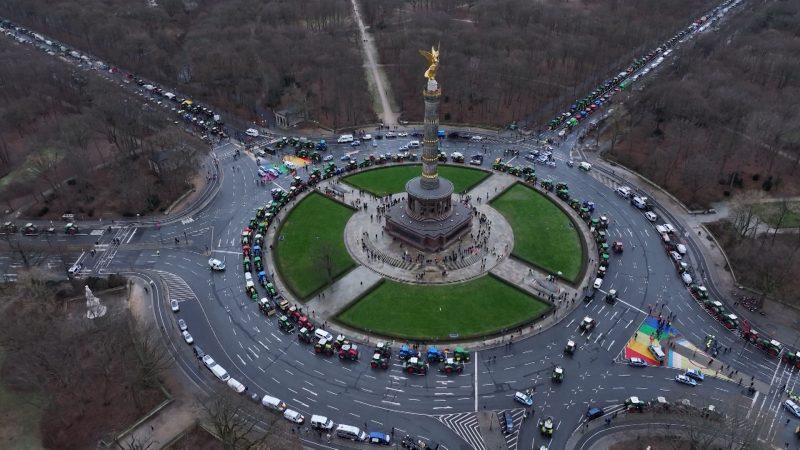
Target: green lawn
(770, 212)
(543, 234)
(311, 241)
(428, 312)
(391, 180)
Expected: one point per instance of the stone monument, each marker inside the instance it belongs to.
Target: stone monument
(429, 220)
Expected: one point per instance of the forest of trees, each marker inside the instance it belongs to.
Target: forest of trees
(83, 141)
(506, 60)
(722, 117)
(239, 55)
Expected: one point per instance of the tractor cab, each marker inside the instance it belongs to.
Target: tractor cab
(558, 374)
(461, 355)
(611, 297)
(266, 307)
(262, 278)
(324, 347)
(407, 352)
(451, 365)
(617, 247)
(30, 230)
(69, 228)
(271, 290)
(570, 348)
(349, 351)
(546, 426)
(285, 325)
(379, 361)
(305, 336)
(434, 355)
(731, 321)
(341, 340)
(588, 324)
(414, 366)
(633, 403)
(383, 349)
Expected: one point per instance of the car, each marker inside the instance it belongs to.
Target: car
(391, 135)
(594, 412)
(681, 378)
(75, 269)
(523, 398)
(187, 337)
(355, 143)
(598, 283)
(293, 416)
(687, 279)
(182, 325)
(696, 374)
(623, 191)
(670, 229)
(476, 138)
(376, 437)
(651, 216)
(345, 158)
(476, 160)
(792, 407)
(329, 158)
(550, 163)
(507, 422)
(366, 137)
(236, 386)
(402, 134)
(174, 305)
(252, 132)
(661, 229)
(209, 361)
(637, 362)
(290, 165)
(216, 264)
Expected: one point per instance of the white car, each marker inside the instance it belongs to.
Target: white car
(366, 137)
(681, 249)
(252, 132)
(187, 337)
(402, 134)
(477, 138)
(550, 163)
(637, 362)
(329, 158)
(355, 143)
(182, 325)
(174, 305)
(216, 264)
(670, 228)
(293, 416)
(289, 165)
(661, 229)
(209, 361)
(792, 407)
(687, 279)
(236, 386)
(598, 282)
(651, 216)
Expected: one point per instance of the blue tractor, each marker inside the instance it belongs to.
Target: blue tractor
(262, 278)
(434, 355)
(257, 250)
(322, 145)
(407, 352)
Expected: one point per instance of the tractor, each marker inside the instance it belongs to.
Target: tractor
(266, 307)
(563, 194)
(407, 352)
(271, 290)
(575, 204)
(246, 264)
(588, 324)
(384, 349)
(792, 359)
(10, 228)
(379, 361)
(257, 249)
(731, 321)
(414, 366)
(699, 292)
(617, 247)
(570, 348)
(497, 163)
(611, 297)
(547, 184)
(283, 304)
(30, 230)
(558, 374)
(258, 264)
(285, 325)
(349, 351)
(341, 340)
(461, 355)
(323, 347)
(262, 278)
(246, 251)
(546, 426)
(250, 290)
(451, 365)
(69, 228)
(305, 336)
(434, 355)
(634, 404)
(771, 347)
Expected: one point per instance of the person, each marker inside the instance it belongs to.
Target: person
(158, 252)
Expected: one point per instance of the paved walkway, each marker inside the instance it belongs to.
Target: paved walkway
(492, 435)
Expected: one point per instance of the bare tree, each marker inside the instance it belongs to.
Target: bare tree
(234, 424)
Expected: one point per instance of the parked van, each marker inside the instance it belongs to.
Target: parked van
(236, 386)
(350, 432)
(623, 191)
(220, 372)
(413, 144)
(585, 166)
(345, 138)
(270, 402)
(657, 353)
(321, 423)
(319, 333)
(639, 202)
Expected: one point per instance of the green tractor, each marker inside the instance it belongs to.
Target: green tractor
(10, 228)
(546, 426)
(547, 184)
(305, 336)
(570, 347)
(497, 164)
(792, 359)
(561, 185)
(699, 292)
(461, 355)
(563, 194)
(575, 204)
(323, 347)
(379, 361)
(634, 404)
(415, 366)
(558, 374)
(585, 214)
(771, 347)
(285, 324)
(731, 321)
(384, 349)
(451, 365)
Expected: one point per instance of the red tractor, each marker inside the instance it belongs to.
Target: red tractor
(349, 351)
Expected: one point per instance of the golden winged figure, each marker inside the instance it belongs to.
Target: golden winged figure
(433, 60)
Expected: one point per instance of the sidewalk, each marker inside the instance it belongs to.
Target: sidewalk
(779, 321)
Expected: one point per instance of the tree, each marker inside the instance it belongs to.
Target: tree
(233, 423)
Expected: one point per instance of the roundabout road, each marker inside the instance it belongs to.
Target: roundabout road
(172, 260)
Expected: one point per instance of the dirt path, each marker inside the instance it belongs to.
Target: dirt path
(378, 77)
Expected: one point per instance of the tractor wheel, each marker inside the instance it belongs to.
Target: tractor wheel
(460, 369)
(374, 365)
(410, 370)
(448, 370)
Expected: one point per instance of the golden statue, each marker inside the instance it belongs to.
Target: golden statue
(433, 60)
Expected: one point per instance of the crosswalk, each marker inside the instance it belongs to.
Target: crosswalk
(177, 288)
(465, 425)
(518, 415)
